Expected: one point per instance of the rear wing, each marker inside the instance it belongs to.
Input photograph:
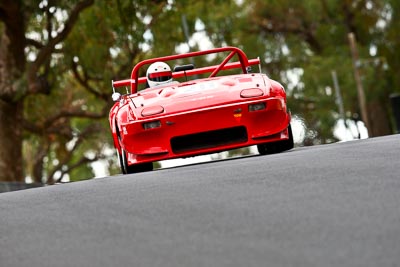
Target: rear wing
(243, 63)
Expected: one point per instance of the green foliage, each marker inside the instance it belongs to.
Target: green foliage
(83, 173)
(312, 36)
(306, 40)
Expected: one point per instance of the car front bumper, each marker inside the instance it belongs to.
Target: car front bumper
(207, 130)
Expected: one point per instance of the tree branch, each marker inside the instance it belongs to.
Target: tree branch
(62, 163)
(82, 161)
(75, 113)
(34, 43)
(295, 27)
(46, 127)
(84, 81)
(45, 53)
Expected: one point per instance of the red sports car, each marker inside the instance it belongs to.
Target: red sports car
(190, 111)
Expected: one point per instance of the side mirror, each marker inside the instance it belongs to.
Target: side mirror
(116, 96)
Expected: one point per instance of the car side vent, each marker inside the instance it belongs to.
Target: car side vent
(211, 139)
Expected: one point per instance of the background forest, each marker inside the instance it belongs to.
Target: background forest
(57, 60)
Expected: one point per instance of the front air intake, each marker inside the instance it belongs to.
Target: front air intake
(209, 139)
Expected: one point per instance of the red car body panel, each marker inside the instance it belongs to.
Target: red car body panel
(198, 116)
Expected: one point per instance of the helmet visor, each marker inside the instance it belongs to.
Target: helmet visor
(160, 76)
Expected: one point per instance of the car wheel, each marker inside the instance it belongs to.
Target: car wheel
(124, 165)
(121, 164)
(121, 154)
(141, 167)
(277, 147)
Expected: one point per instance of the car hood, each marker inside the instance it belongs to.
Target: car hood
(180, 97)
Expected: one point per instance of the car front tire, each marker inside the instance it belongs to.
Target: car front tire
(277, 147)
(121, 163)
(141, 167)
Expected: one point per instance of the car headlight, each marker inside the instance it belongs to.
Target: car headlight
(257, 106)
(151, 125)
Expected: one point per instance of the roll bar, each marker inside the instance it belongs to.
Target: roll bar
(243, 63)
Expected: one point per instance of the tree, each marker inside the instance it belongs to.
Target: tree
(310, 38)
(21, 77)
(60, 121)
(57, 60)
(55, 73)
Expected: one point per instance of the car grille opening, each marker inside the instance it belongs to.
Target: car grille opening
(209, 139)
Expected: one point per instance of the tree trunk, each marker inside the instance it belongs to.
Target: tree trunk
(11, 141)
(379, 119)
(12, 66)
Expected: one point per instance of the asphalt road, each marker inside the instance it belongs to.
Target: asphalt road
(328, 205)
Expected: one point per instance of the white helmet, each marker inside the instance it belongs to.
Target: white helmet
(158, 73)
